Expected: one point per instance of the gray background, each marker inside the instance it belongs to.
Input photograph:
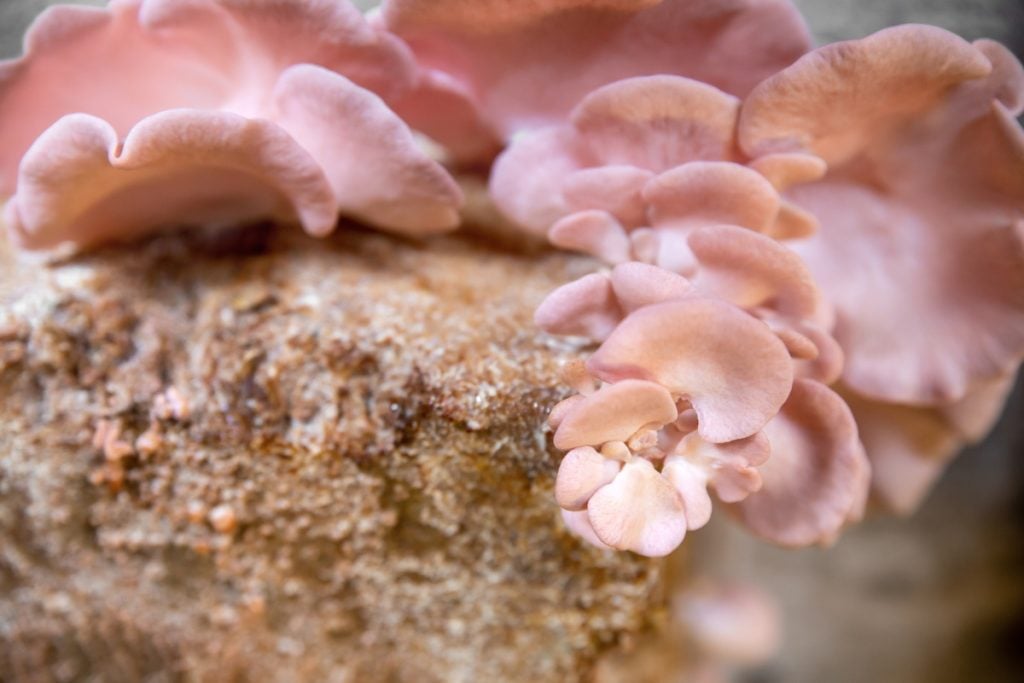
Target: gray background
(934, 598)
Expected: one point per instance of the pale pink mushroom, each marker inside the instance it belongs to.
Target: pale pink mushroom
(524, 65)
(442, 107)
(766, 278)
(613, 499)
(638, 284)
(711, 193)
(586, 307)
(595, 232)
(693, 378)
(638, 510)
(691, 383)
(754, 272)
(784, 170)
(730, 469)
(747, 269)
(578, 522)
(730, 263)
(155, 113)
(921, 248)
(910, 446)
(691, 483)
(615, 413)
(642, 164)
(595, 304)
(623, 418)
(615, 143)
(574, 373)
(822, 358)
(730, 366)
(817, 478)
(562, 409)
(974, 415)
(582, 472)
(614, 189)
(799, 345)
(629, 503)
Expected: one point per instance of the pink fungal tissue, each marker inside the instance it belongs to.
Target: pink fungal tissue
(808, 290)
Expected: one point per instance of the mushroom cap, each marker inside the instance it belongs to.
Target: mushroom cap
(528, 66)
(834, 98)
(616, 189)
(974, 415)
(639, 511)
(691, 483)
(593, 232)
(492, 16)
(586, 307)
(648, 150)
(816, 353)
(595, 304)
(582, 472)
(657, 122)
(210, 111)
(375, 167)
(701, 193)
(786, 169)
(753, 271)
(527, 177)
(908, 446)
(734, 371)
(578, 523)
(169, 54)
(827, 366)
(730, 468)
(80, 184)
(921, 246)
(561, 409)
(638, 284)
(615, 412)
(817, 477)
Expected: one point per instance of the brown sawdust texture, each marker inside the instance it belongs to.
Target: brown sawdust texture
(367, 414)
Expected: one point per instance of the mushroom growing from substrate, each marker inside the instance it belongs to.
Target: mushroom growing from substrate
(813, 258)
(151, 114)
(892, 166)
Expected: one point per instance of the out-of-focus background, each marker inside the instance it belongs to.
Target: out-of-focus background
(938, 597)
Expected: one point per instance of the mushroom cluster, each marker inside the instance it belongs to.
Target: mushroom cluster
(496, 68)
(921, 246)
(811, 279)
(150, 114)
(813, 254)
(714, 337)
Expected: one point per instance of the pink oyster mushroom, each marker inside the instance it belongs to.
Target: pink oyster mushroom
(639, 165)
(735, 265)
(910, 446)
(921, 247)
(497, 68)
(703, 306)
(697, 394)
(154, 113)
